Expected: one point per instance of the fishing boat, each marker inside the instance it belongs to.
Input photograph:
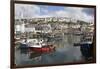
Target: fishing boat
(40, 46)
(86, 47)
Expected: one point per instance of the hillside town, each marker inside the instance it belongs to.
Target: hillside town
(51, 26)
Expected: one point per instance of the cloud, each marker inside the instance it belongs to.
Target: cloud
(26, 11)
(88, 11)
(76, 13)
(32, 11)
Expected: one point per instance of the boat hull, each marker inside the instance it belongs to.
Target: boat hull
(44, 49)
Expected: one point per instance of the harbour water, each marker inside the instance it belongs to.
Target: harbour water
(65, 52)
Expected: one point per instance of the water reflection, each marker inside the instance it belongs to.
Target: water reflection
(65, 52)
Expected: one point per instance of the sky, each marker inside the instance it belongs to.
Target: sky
(36, 11)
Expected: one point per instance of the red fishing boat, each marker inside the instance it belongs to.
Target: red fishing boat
(40, 47)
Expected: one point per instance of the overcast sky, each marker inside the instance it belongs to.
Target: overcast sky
(31, 11)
